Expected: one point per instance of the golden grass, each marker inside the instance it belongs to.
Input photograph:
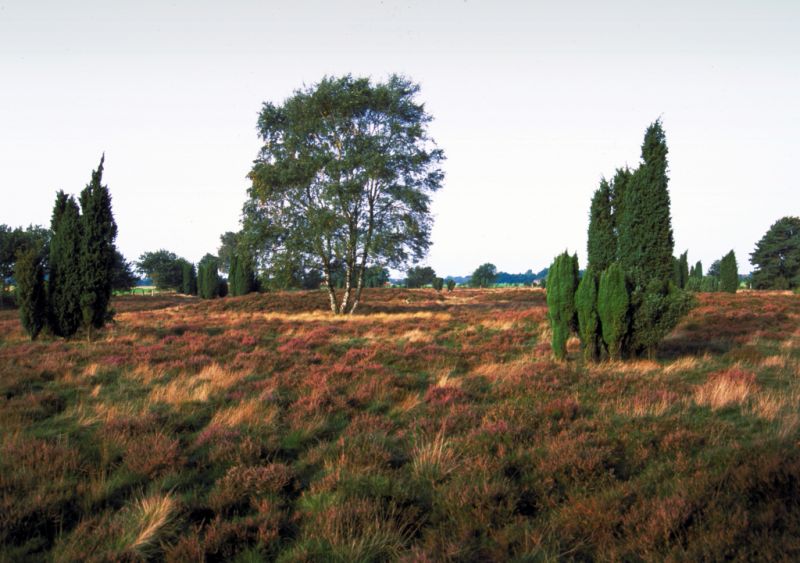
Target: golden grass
(641, 405)
(496, 324)
(499, 371)
(149, 518)
(633, 367)
(768, 405)
(104, 412)
(372, 318)
(686, 363)
(723, 391)
(774, 362)
(251, 412)
(434, 458)
(188, 388)
(416, 335)
(444, 380)
(411, 401)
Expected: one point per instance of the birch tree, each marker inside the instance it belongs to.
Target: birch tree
(344, 179)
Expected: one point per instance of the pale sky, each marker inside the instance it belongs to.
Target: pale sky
(532, 102)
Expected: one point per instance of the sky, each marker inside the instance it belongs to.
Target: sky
(532, 102)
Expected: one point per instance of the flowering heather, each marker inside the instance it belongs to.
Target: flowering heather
(429, 426)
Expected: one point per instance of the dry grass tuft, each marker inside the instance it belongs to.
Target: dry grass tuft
(774, 362)
(252, 412)
(732, 386)
(188, 388)
(686, 363)
(416, 335)
(648, 403)
(434, 459)
(148, 521)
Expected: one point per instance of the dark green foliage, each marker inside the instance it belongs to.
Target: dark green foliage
(714, 269)
(694, 284)
(619, 187)
(683, 266)
(777, 256)
(562, 281)
(658, 308)
(676, 271)
(376, 276)
(233, 273)
(163, 267)
(438, 284)
(602, 245)
(64, 280)
(451, 284)
(208, 282)
(344, 179)
(97, 258)
(241, 279)
(228, 248)
(645, 230)
(420, 276)
(122, 276)
(697, 271)
(709, 284)
(15, 241)
(188, 278)
(588, 319)
(483, 276)
(728, 273)
(222, 288)
(613, 308)
(30, 292)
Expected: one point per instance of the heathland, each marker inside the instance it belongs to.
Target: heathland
(429, 426)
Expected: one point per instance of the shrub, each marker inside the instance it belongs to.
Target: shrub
(562, 280)
(29, 279)
(657, 310)
(588, 319)
(728, 273)
(613, 305)
(451, 284)
(438, 283)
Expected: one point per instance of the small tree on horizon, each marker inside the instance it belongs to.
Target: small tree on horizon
(728, 273)
(484, 275)
(163, 267)
(420, 276)
(777, 256)
(122, 277)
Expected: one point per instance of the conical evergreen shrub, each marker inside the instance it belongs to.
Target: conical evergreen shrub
(588, 318)
(97, 256)
(728, 273)
(562, 281)
(613, 308)
(65, 281)
(30, 291)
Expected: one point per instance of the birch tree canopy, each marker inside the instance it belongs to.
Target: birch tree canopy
(345, 178)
